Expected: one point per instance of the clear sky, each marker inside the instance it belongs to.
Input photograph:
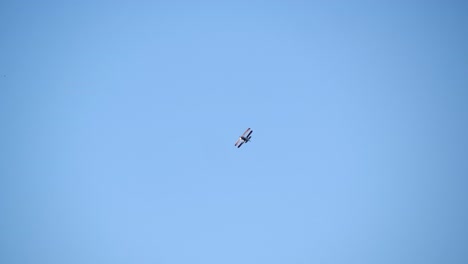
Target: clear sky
(118, 122)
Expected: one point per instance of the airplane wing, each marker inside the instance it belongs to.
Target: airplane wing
(239, 141)
(242, 142)
(250, 133)
(246, 132)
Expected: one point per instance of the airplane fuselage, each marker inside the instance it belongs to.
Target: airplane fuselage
(245, 139)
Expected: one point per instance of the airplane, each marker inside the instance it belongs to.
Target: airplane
(244, 138)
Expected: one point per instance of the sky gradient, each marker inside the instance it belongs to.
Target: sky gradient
(118, 122)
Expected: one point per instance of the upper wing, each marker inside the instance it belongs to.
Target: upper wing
(237, 142)
(246, 132)
(250, 133)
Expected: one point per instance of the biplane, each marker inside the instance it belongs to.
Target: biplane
(244, 138)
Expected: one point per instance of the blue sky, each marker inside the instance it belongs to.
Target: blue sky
(119, 118)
